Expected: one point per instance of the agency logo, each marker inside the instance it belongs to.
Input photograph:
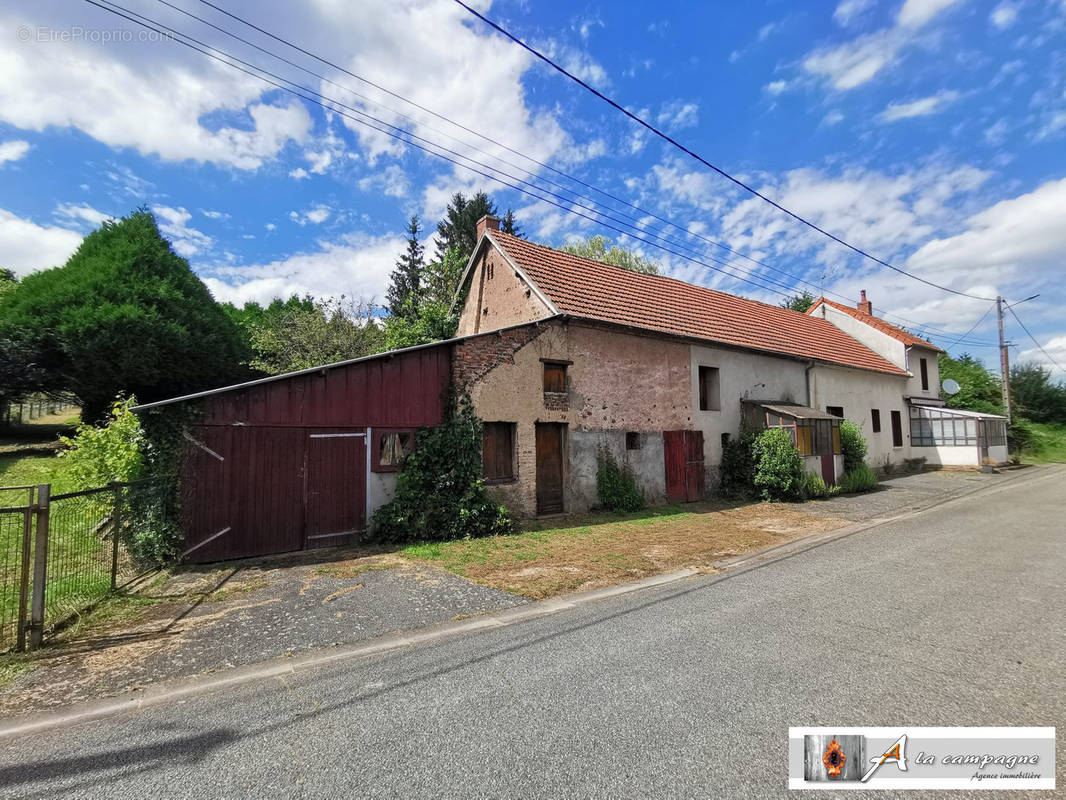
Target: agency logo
(921, 758)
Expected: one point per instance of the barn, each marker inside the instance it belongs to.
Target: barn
(301, 460)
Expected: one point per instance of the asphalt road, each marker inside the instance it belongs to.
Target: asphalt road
(955, 617)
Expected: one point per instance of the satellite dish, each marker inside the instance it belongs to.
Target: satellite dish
(951, 386)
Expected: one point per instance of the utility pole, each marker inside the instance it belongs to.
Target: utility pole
(1004, 360)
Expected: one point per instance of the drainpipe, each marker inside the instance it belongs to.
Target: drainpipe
(807, 380)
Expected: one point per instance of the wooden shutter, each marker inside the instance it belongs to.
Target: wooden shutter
(554, 377)
(497, 450)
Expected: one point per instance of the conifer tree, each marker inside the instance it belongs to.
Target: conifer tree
(405, 289)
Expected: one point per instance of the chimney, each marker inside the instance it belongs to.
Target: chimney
(865, 306)
(487, 223)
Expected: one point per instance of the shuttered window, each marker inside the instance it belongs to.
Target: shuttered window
(897, 429)
(554, 376)
(875, 420)
(497, 451)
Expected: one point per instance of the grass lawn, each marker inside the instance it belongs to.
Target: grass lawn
(558, 556)
(1049, 443)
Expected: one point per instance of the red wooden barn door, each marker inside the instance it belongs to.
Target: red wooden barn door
(335, 487)
(684, 465)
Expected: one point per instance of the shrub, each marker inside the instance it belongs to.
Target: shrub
(1019, 435)
(615, 485)
(814, 488)
(439, 491)
(779, 470)
(852, 445)
(860, 479)
(96, 456)
(737, 472)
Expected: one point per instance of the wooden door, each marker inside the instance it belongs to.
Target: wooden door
(335, 491)
(549, 467)
(828, 469)
(683, 452)
(242, 492)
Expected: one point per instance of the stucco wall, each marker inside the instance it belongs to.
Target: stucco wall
(616, 382)
(967, 456)
(498, 297)
(881, 343)
(858, 392)
(742, 376)
(914, 385)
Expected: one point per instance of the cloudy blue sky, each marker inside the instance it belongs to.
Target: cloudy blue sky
(931, 133)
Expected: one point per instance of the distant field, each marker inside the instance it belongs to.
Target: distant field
(1049, 443)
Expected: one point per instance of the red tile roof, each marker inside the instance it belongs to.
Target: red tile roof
(590, 289)
(876, 322)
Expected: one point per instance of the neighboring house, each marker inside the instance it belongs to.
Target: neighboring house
(658, 371)
(919, 424)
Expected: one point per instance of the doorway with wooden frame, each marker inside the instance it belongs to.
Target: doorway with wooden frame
(550, 441)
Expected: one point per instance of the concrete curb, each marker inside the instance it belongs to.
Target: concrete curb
(183, 688)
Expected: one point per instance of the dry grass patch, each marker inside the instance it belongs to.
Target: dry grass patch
(602, 549)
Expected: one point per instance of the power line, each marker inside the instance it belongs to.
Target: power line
(1039, 346)
(704, 161)
(758, 281)
(975, 325)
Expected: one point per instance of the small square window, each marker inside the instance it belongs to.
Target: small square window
(554, 376)
(836, 411)
(710, 393)
(390, 449)
(632, 440)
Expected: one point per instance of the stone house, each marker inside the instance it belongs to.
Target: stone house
(589, 356)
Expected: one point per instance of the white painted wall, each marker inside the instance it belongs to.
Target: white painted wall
(742, 376)
(859, 392)
(914, 386)
(881, 343)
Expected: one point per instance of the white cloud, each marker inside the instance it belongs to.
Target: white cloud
(855, 62)
(214, 214)
(916, 13)
(81, 213)
(996, 133)
(299, 173)
(271, 226)
(391, 181)
(312, 216)
(357, 266)
(186, 241)
(1004, 15)
(1054, 124)
(776, 87)
(847, 11)
(918, 108)
(1023, 238)
(834, 117)
(13, 150)
(28, 247)
(1054, 347)
(678, 114)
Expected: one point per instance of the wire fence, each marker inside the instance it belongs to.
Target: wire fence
(31, 408)
(62, 553)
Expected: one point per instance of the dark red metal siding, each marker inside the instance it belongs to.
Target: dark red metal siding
(263, 433)
(398, 391)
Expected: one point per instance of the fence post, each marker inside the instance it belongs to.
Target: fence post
(116, 526)
(24, 577)
(40, 566)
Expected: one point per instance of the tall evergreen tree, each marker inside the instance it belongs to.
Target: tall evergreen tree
(405, 290)
(458, 229)
(510, 225)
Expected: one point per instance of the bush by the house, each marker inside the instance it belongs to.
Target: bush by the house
(860, 479)
(814, 488)
(737, 472)
(439, 491)
(779, 470)
(852, 445)
(615, 485)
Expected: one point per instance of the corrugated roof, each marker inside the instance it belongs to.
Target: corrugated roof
(876, 322)
(587, 288)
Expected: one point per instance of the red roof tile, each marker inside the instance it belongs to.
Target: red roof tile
(876, 322)
(587, 288)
